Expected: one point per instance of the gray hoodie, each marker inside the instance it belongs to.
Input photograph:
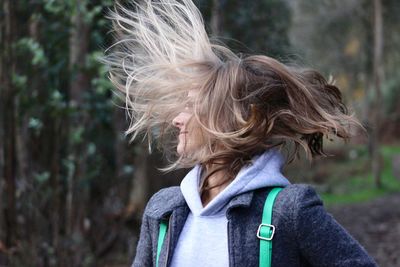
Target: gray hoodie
(203, 239)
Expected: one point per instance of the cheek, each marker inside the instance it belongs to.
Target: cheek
(196, 137)
(186, 118)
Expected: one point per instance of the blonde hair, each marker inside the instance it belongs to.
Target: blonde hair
(244, 104)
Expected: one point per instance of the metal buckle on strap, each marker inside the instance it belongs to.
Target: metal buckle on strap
(267, 238)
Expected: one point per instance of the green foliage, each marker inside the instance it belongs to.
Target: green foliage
(76, 136)
(57, 7)
(42, 177)
(19, 80)
(34, 48)
(361, 187)
(54, 146)
(36, 125)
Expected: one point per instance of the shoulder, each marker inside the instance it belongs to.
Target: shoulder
(164, 201)
(291, 194)
(290, 199)
(165, 195)
(299, 194)
(293, 199)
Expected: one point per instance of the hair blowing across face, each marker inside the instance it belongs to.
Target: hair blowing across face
(243, 105)
(255, 103)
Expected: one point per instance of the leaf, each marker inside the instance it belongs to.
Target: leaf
(42, 177)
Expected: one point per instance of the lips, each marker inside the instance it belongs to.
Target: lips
(185, 132)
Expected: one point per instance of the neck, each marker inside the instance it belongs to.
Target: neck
(217, 183)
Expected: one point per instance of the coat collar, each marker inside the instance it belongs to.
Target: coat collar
(169, 199)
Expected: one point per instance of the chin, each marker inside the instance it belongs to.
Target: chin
(180, 150)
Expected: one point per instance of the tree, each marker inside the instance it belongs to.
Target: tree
(376, 106)
(249, 26)
(8, 120)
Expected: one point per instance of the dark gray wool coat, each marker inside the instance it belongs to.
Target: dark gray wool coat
(306, 235)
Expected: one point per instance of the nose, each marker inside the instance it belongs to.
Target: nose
(178, 121)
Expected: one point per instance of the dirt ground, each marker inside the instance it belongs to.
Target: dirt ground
(376, 225)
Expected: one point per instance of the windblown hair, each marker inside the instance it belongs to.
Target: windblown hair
(243, 105)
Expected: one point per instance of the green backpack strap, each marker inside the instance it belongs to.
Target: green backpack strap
(266, 230)
(161, 236)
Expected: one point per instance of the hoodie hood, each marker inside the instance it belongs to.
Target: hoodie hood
(264, 171)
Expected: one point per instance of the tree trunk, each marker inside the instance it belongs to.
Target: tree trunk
(2, 124)
(8, 113)
(377, 101)
(140, 186)
(216, 18)
(77, 195)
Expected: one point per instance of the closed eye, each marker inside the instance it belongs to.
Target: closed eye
(189, 106)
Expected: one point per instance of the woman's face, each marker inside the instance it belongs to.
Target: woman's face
(190, 136)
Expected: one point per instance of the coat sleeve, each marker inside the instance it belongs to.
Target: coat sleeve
(144, 249)
(321, 239)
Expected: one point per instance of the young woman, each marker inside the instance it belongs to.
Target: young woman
(231, 118)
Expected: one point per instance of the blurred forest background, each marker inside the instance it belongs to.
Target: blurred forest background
(72, 190)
